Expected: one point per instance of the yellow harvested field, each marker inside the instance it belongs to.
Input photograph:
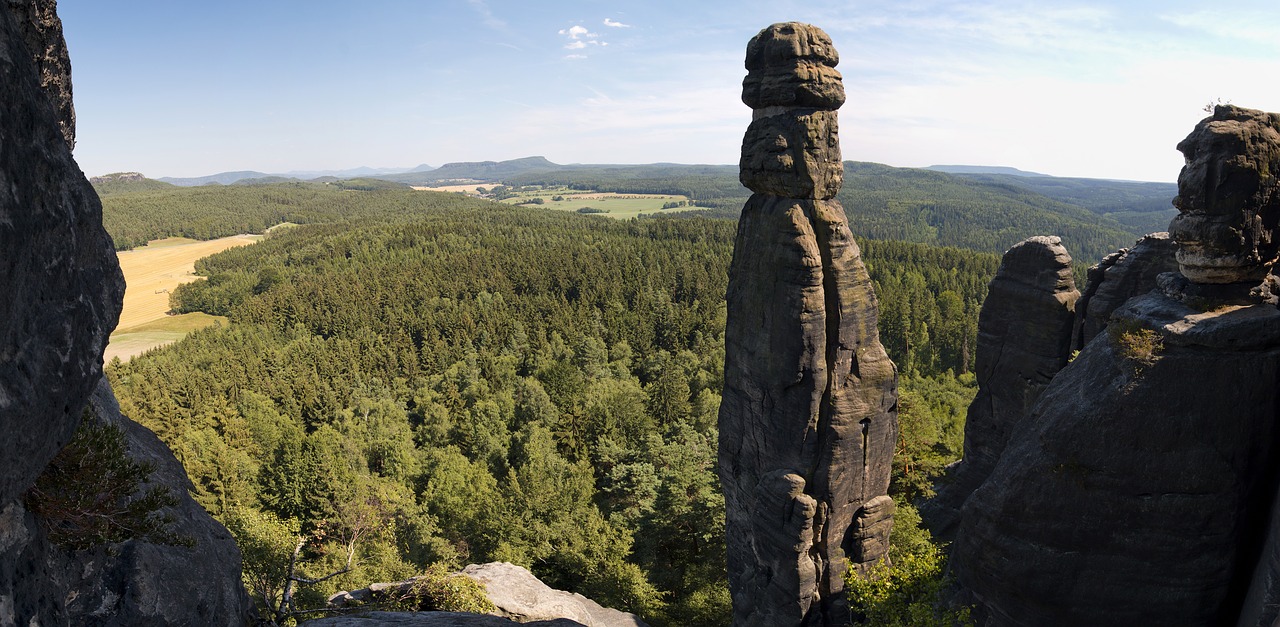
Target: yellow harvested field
(151, 272)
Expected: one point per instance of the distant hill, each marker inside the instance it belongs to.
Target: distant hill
(222, 178)
(1141, 207)
(983, 169)
(476, 170)
(258, 178)
(125, 182)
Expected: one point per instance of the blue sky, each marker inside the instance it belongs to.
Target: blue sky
(1095, 89)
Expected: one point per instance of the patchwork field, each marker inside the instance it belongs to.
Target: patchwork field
(150, 273)
(610, 204)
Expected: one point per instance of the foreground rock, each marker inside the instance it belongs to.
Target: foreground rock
(58, 272)
(429, 619)
(1024, 339)
(808, 420)
(1142, 487)
(131, 583)
(517, 594)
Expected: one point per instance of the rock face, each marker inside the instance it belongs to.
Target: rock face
(58, 269)
(1142, 488)
(1024, 339)
(808, 420)
(1117, 278)
(1229, 197)
(37, 22)
(62, 291)
(429, 619)
(132, 583)
(518, 595)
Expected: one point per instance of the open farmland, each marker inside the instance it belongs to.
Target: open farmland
(150, 273)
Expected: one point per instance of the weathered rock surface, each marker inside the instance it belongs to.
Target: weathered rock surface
(1024, 339)
(792, 65)
(1229, 197)
(429, 619)
(58, 272)
(41, 30)
(1118, 277)
(1135, 494)
(518, 595)
(1142, 487)
(131, 583)
(522, 597)
(808, 420)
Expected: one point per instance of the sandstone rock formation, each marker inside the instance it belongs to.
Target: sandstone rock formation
(1118, 277)
(131, 583)
(37, 22)
(1141, 489)
(518, 595)
(430, 619)
(62, 291)
(1024, 339)
(58, 272)
(808, 420)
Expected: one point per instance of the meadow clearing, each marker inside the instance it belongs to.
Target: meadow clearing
(610, 204)
(150, 273)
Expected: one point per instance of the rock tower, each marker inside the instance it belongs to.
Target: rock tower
(808, 421)
(1143, 486)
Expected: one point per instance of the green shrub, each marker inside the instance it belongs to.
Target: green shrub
(92, 494)
(438, 590)
(909, 588)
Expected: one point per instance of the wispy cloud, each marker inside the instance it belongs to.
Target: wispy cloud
(1258, 28)
(612, 24)
(486, 14)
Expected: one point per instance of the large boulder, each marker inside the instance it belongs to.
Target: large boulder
(808, 420)
(1024, 339)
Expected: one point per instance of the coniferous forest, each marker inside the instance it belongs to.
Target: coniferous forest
(424, 378)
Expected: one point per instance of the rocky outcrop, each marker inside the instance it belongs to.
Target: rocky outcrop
(1141, 487)
(1024, 339)
(1118, 277)
(63, 290)
(130, 583)
(41, 30)
(517, 594)
(808, 420)
(1229, 197)
(58, 269)
(429, 619)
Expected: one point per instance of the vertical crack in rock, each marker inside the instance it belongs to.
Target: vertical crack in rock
(809, 420)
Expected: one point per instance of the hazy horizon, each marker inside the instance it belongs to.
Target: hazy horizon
(1075, 89)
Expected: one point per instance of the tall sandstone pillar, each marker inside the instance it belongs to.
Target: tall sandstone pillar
(808, 420)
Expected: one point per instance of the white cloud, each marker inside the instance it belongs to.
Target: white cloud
(579, 38)
(612, 24)
(575, 56)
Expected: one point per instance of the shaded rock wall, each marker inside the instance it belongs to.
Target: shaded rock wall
(808, 420)
(134, 582)
(1118, 277)
(63, 289)
(1142, 486)
(58, 270)
(1024, 339)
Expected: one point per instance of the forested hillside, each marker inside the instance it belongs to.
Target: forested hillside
(477, 382)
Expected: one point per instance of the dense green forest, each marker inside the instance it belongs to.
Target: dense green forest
(441, 380)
